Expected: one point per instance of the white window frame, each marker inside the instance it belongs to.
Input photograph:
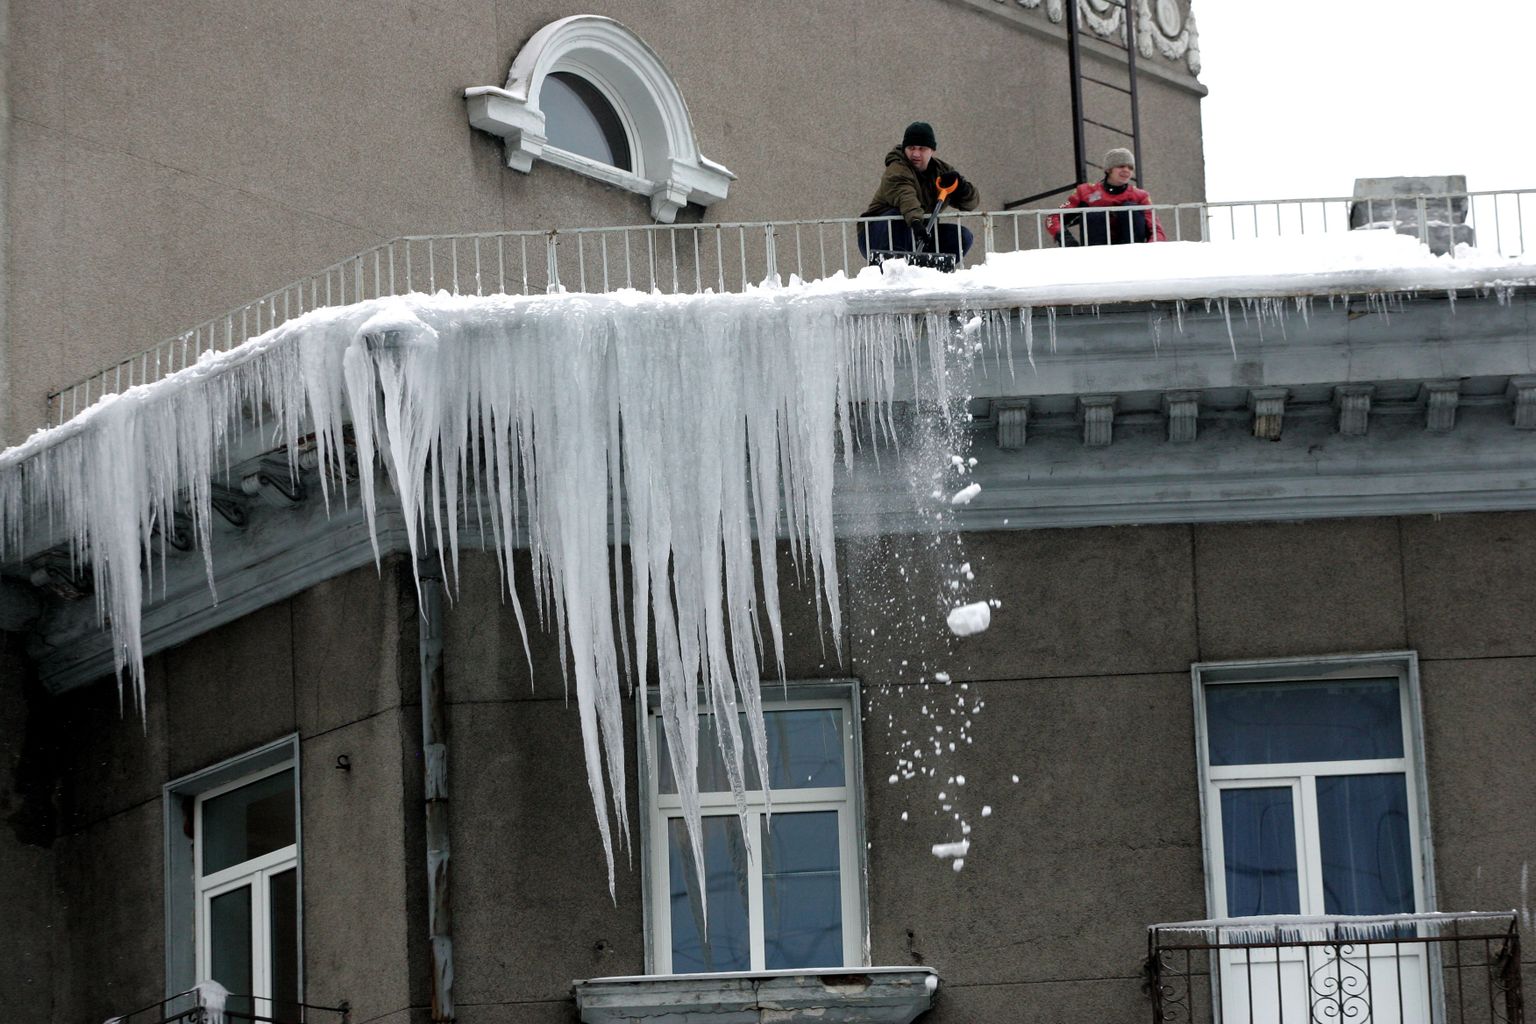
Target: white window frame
(847, 800)
(257, 874)
(188, 892)
(669, 168)
(1403, 665)
(1301, 779)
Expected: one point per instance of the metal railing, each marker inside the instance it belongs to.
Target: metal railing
(188, 1008)
(1406, 969)
(732, 257)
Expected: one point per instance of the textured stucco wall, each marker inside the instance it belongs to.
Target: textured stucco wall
(1085, 678)
(333, 665)
(1084, 675)
(169, 160)
(28, 943)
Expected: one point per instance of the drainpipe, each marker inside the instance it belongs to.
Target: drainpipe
(434, 746)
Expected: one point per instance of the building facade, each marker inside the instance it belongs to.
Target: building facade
(1262, 642)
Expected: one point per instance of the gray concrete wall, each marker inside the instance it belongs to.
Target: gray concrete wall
(27, 827)
(169, 161)
(333, 665)
(1084, 677)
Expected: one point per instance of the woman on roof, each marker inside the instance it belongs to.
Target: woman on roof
(1111, 226)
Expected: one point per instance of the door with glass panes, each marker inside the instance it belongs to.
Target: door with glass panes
(246, 851)
(1311, 809)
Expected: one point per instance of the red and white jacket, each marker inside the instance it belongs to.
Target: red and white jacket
(1096, 193)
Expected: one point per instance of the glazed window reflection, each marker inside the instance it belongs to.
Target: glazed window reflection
(805, 751)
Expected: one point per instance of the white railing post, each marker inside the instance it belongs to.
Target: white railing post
(552, 255)
(770, 254)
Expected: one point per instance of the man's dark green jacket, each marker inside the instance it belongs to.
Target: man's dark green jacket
(914, 194)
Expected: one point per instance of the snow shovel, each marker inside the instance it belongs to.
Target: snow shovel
(941, 261)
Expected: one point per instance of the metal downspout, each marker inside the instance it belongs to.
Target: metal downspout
(434, 747)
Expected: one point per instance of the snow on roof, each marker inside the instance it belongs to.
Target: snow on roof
(690, 417)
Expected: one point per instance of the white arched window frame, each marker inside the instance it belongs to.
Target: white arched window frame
(668, 167)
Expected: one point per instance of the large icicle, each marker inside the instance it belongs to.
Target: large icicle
(717, 417)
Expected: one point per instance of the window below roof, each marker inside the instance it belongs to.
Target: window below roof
(784, 892)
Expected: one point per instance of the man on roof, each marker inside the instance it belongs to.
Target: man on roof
(1097, 217)
(909, 190)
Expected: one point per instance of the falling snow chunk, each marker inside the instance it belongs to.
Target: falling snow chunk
(947, 850)
(942, 677)
(969, 619)
(964, 495)
(986, 812)
(931, 983)
(959, 864)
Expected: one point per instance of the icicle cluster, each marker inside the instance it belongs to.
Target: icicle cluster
(684, 425)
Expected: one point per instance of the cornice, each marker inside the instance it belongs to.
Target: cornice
(1137, 416)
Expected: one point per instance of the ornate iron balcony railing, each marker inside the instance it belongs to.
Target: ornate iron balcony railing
(732, 257)
(1401, 969)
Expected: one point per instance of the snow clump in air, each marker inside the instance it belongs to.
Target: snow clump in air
(970, 619)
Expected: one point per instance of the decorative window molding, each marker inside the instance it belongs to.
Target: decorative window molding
(668, 167)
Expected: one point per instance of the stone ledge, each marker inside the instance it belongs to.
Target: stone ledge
(877, 995)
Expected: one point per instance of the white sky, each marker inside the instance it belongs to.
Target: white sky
(1307, 95)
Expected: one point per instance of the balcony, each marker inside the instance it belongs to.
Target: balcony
(214, 1006)
(1403, 969)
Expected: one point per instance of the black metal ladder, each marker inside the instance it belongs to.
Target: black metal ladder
(1101, 121)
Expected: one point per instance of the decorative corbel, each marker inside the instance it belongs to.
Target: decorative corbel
(1183, 411)
(1268, 405)
(1440, 398)
(1012, 422)
(1522, 392)
(1354, 404)
(1098, 415)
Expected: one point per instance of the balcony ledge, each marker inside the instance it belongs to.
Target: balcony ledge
(868, 995)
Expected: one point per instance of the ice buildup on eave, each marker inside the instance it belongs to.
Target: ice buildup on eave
(687, 422)
(682, 422)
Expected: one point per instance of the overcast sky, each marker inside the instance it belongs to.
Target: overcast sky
(1307, 95)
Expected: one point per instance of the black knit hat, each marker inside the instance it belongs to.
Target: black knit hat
(919, 133)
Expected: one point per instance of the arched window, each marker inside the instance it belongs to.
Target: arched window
(582, 121)
(589, 95)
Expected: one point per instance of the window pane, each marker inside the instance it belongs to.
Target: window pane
(1258, 835)
(712, 776)
(805, 751)
(579, 119)
(229, 945)
(1273, 723)
(284, 930)
(1367, 859)
(728, 947)
(805, 748)
(248, 822)
(802, 892)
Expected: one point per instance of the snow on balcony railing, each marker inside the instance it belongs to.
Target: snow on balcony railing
(675, 258)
